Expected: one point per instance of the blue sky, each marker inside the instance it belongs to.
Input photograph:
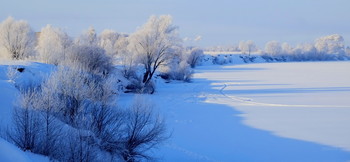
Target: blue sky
(218, 22)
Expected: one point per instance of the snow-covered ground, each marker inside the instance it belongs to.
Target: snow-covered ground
(248, 112)
(301, 111)
(33, 74)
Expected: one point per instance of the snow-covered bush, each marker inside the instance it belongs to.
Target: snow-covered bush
(178, 70)
(193, 56)
(73, 116)
(221, 59)
(17, 39)
(92, 59)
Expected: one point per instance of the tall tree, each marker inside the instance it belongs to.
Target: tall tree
(153, 43)
(53, 44)
(16, 38)
(331, 44)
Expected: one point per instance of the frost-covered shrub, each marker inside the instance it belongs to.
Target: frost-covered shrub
(194, 56)
(181, 71)
(178, 67)
(89, 58)
(220, 60)
(137, 86)
(247, 58)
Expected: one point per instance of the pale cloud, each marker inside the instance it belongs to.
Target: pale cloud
(198, 38)
(186, 39)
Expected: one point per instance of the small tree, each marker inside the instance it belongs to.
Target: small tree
(247, 47)
(16, 38)
(26, 128)
(51, 131)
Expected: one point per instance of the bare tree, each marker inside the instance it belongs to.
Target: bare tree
(26, 125)
(78, 148)
(17, 38)
(144, 130)
(51, 131)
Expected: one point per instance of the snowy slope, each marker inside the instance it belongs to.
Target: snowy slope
(10, 153)
(33, 74)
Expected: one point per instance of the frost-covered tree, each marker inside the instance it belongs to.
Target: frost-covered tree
(305, 51)
(17, 38)
(153, 43)
(53, 45)
(331, 44)
(88, 38)
(108, 41)
(247, 47)
(273, 48)
(71, 87)
(286, 48)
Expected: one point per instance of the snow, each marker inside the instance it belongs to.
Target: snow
(246, 112)
(306, 101)
(258, 112)
(33, 74)
(10, 153)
